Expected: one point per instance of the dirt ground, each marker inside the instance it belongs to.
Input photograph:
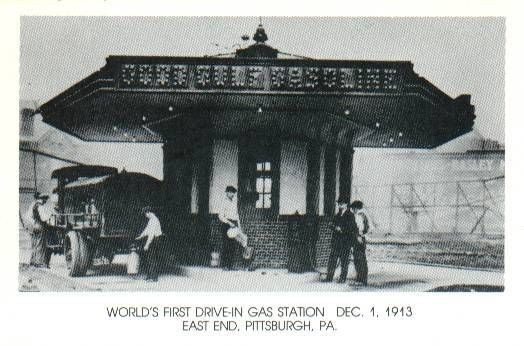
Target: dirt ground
(461, 250)
(384, 276)
(388, 271)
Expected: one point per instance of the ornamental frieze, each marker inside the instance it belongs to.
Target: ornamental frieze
(311, 77)
(277, 78)
(255, 77)
(153, 76)
(203, 76)
(221, 76)
(329, 78)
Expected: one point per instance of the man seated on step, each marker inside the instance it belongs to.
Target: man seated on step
(231, 230)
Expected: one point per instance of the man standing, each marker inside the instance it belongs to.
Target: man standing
(152, 247)
(359, 241)
(40, 255)
(231, 231)
(91, 212)
(343, 224)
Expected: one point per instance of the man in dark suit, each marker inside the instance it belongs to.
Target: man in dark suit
(358, 242)
(40, 254)
(344, 227)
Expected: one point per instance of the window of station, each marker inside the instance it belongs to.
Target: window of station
(263, 185)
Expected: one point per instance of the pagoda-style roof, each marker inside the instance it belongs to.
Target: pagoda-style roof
(377, 103)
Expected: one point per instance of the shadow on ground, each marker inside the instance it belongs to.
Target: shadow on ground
(119, 269)
(396, 283)
(468, 288)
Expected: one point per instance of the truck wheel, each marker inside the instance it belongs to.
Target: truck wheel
(75, 251)
(87, 248)
(90, 253)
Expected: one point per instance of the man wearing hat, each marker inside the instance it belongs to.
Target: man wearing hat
(231, 231)
(343, 225)
(359, 241)
(40, 255)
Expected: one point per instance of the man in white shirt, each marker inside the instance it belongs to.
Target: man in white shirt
(229, 211)
(231, 231)
(152, 247)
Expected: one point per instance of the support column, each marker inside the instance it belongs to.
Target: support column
(177, 185)
(313, 178)
(203, 161)
(330, 176)
(314, 151)
(200, 240)
(346, 172)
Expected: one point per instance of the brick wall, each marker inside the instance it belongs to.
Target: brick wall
(269, 237)
(194, 243)
(323, 246)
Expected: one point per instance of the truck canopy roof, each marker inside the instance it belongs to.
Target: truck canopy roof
(75, 172)
(88, 181)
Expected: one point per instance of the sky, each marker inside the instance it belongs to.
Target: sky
(458, 55)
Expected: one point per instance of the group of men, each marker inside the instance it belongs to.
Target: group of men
(349, 236)
(37, 221)
(350, 225)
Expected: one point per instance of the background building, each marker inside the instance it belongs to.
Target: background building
(42, 149)
(456, 188)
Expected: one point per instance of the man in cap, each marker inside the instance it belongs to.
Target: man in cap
(152, 248)
(231, 231)
(343, 224)
(40, 254)
(359, 241)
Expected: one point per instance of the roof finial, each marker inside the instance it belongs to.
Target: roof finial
(260, 35)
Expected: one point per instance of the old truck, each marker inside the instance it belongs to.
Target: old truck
(98, 213)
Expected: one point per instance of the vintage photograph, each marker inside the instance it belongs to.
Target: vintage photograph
(272, 154)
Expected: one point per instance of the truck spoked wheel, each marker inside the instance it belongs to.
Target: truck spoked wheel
(76, 253)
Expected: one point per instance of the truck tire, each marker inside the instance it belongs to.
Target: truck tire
(86, 247)
(75, 251)
(90, 253)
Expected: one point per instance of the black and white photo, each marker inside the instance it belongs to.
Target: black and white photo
(339, 154)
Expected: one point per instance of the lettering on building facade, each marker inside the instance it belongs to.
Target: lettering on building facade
(272, 78)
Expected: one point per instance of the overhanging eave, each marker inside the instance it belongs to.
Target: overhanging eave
(394, 107)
